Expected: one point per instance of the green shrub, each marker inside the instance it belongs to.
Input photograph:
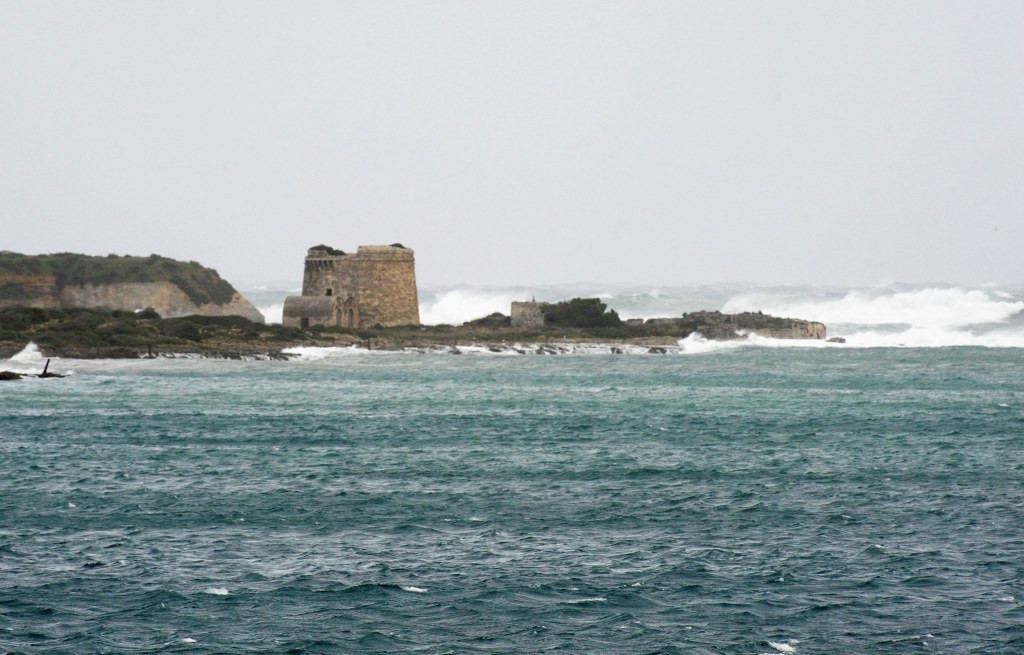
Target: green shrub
(580, 313)
(180, 329)
(497, 319)
(14, 291)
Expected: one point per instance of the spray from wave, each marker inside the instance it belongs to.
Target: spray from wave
(887, 317)
(931, 307)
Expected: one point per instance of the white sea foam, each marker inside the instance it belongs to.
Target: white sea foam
(457, 306)
(782, 646)
(318, 353)
(273, 313)
(415, 590)
(886, 317)
(188, 640)
(216, 591)
(932, 337)
(28, 360)
(929, 307)
(595, 599)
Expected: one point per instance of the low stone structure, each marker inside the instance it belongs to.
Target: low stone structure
(527, 314)
(375, 286)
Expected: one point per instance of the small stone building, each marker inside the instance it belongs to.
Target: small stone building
(527, 314)
(374, 286)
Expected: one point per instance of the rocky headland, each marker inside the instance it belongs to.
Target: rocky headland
(67, 280)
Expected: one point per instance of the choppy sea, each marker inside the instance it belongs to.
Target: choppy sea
(725, 499)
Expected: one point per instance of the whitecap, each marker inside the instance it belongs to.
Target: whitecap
(188, 640)
(782, 646)
(595, 599)
(415, 590)
(216, 591)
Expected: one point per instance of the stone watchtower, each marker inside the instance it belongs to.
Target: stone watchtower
(374, 286)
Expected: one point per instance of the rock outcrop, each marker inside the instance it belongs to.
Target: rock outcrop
(719, 326)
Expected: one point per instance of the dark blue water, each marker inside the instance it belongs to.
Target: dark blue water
(748, 501)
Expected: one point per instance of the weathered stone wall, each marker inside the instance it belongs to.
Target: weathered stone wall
(319, 276)
(308, 311)
(387, 286)
(527, 314)
(374, 286)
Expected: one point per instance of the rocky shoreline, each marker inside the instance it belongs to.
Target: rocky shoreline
(111, 334)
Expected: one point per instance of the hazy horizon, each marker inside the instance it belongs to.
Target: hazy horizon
(527, 143)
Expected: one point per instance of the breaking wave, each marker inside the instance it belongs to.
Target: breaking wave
(931, 308)
(272, 313)
(925, 317)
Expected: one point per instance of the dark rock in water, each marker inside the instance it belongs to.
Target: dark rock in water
(455, 351)
(495, 350)
(9, 375)
(46, 372)
(616, 350)
(836, 340)
(656, 351)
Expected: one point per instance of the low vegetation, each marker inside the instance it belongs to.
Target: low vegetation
(60, 330)
(580, 313)
(111, 333)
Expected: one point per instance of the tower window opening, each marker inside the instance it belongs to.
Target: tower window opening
(330, 292)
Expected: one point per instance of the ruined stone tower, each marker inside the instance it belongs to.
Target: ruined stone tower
(374, 286)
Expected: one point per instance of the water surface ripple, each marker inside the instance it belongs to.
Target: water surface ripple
(750, 501)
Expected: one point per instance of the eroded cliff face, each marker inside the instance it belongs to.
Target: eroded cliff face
(166, 298)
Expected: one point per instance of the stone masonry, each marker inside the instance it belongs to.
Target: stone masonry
(527, 314)
(375, 286)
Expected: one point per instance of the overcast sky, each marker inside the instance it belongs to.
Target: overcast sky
(523, 142)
